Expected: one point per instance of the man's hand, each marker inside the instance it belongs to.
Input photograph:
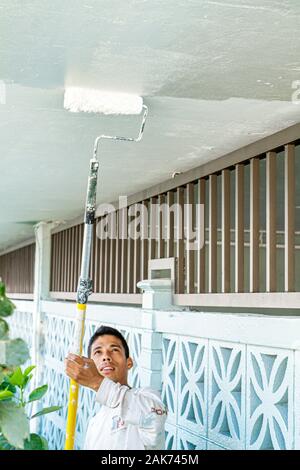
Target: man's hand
(83, 371)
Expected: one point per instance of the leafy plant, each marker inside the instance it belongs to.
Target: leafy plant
(13, 352)
(14, 423)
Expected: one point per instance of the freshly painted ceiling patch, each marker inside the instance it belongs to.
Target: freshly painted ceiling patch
(89, 100)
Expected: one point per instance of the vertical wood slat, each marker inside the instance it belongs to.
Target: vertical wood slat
(212, 263)
(271, 273)
(137, 254)
(27, 271)
(24, 271)
(32, 257)
(96, 258)
(69, 258)
(112, 261)
(64, 261)
(225, 230)
(118, 254)
(9, 272)
(170, 225)
(20, 261)
(289, 218)
(180, 241)
(58, 241)
(53, 263)
(145, 240)
(130, 262)
(190, 253)
(80, 246)
(254, 225)
(239, 228)
(124, 240)
(80, 243)
(201, 231)
(19, 273)
(153, 231)
(106, 259)
(101, 258)
(27, 267)
(76, 264)
(54, 286)
(74, 250)
(161, 228)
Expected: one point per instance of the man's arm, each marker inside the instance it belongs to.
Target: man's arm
(83, 371)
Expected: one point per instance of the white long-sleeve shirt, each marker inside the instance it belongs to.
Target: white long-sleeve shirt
(129, 419)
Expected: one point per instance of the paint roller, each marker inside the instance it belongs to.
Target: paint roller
(76, 100)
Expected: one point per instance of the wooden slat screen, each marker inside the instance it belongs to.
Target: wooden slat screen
(17, 270)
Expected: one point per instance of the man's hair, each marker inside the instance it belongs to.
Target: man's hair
(107, 330)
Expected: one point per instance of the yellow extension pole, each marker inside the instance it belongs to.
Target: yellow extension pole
(74, 390)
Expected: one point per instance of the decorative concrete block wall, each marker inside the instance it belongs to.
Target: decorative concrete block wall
(230, 381)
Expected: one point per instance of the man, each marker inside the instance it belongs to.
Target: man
(128, 418)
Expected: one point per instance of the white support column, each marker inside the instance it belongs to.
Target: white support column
(41, 292)
(157, 295)
(151, 357)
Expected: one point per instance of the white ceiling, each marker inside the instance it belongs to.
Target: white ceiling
(216, 75)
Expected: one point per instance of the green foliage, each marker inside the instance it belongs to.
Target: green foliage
(4, 444)
(14, 423)
(15, 352)
(38, 393)
(3, 328)
(35, 442)
(6, 306)
(14, 393)
(4, 394)
(12, 352)
(45, 411)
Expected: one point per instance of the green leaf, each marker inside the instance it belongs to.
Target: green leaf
(28, 370)
(17, 377)
(38, 393)
(2, 289)
(5, 394)
(35, 442)
(6, 385)
(14, 424)
(4, 444)
(6, 307)
(26, 380)
(46, 411)
(3, 328)
(16, 352)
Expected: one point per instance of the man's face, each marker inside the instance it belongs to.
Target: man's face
(109, 356)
